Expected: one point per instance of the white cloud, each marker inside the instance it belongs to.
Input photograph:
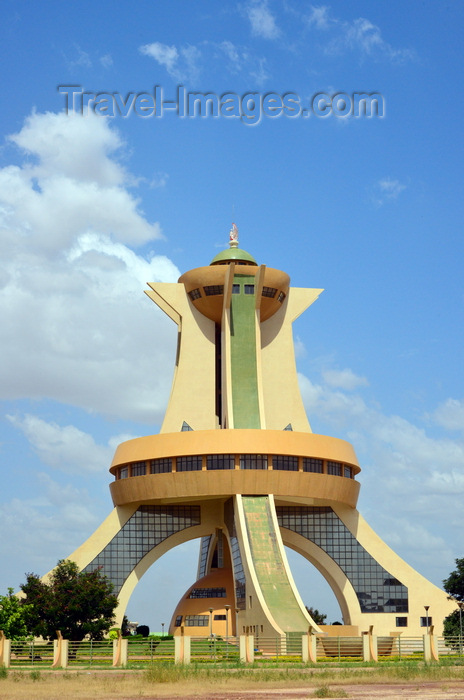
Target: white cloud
(343, 379)
(106, 60)
(450, 415)
(412, 483)
(319, 17)
(359, 35)
(65, 448)
(71, 290)
(262, 21)
(45, 528)
(386, 190)
(181, 64)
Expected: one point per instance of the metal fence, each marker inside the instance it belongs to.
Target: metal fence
(286, 648)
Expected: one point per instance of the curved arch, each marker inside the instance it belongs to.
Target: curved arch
(150, 558)
(338, 582)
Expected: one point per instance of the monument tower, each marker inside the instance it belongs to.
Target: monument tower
(237, 465)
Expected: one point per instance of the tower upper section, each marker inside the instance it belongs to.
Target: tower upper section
(235, 365)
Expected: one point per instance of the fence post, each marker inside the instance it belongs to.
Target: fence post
(60, 651)
(5, 650)
(309, 648)
(247, 648)
(370, 648)
(182, 648)
(427, 648)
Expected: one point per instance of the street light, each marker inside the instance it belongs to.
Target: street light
(227, 607)
(427, 616)
(211, 622)
(162, 626)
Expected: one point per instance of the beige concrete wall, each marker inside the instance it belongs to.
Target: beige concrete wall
(192, 396)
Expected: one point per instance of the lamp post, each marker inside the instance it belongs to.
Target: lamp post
(427, 617)
(211, 622)
(162, 627)
(227, 607)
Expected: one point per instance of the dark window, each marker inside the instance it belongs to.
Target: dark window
(139, 469)
(207, 593)
(285, 462)
(311, 464)
(220, 617)
(214, 289)
(401, 621)
(185, 428)
(424, 621)
(191, 463)
(334, 468)
(194, 294)
(249, 288)
(288, 427)
(161, 466)
(235, 289)
(123, 472)
(269, 292)
(253, 461)
(178, 621)
(281, 297)
(220, 461)
(196, 620)
(347, 472)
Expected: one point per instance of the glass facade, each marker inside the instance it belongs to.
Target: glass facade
(220, 461)
(207, 593)
(204, 549)
(213, 289)
(376, 589)
(310, 464)
(253, 461)
(239, 574)
(196, 620)
(144, 530)
(161, 466)
(139, 469)
(286, 462)
(334, 468)
(191, 463)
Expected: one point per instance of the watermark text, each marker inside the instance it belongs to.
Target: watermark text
(250, 107)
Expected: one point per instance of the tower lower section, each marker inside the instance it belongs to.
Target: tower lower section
(246, 494)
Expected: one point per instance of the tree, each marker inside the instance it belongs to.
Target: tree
(144, 630)
(79, 604)
(318, 617)
(454, 586)
(12, 616)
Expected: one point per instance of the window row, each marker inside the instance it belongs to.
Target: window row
(424, 622)
(207, 593)
(218, 289)
(191, 463)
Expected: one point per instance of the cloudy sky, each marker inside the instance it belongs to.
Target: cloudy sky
(93, 207)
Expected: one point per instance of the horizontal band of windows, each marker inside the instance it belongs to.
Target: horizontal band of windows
(231, 461)
(207, 593)
(213, 289)
(196, 620)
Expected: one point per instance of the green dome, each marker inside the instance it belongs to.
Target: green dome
(233, 255)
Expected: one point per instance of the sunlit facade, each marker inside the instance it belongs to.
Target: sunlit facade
(237, 466)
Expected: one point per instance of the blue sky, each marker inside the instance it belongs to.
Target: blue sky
(92, 208)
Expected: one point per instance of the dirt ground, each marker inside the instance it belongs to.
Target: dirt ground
(52, 687)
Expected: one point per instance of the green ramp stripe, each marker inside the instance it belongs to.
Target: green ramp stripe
(245, 401)
(269, 565)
